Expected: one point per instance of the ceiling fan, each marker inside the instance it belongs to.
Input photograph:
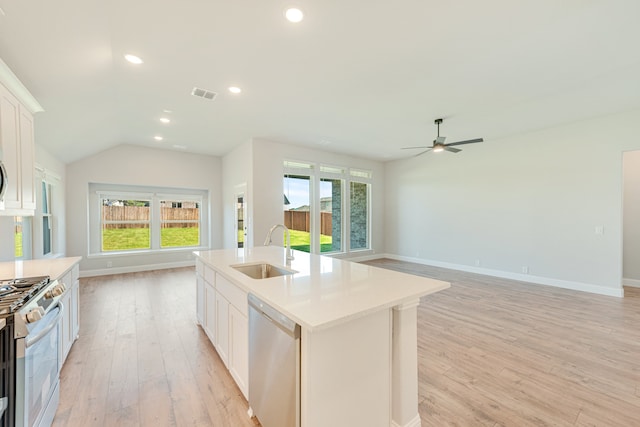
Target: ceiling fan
(439, 145)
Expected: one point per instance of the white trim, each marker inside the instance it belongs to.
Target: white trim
(15, 86)
(634, 283)
(415, 422)
(366, 255)
(539, 280)
(136, 268)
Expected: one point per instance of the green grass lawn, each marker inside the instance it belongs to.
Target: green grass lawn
(122, 239)
(300, 240)
(18, 242)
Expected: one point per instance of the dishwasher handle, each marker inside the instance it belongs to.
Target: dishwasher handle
(274, 316)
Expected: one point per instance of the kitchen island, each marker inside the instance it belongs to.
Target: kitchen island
(358, 330)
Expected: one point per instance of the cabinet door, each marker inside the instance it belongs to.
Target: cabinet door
(75, 302)
(65, 327)
(222, 328)
(239, 349)
(210, 312)
(75, 310)
(27, 160)
(10, 146)
(200, 300)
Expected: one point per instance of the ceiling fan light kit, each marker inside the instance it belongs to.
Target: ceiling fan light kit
(439, 145)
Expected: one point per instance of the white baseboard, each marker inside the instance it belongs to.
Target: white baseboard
(634, 283)
(135, 268)
(547, 281)
(365, 257)
(415, 422)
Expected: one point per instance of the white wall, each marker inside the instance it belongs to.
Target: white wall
(134, 165)
(531, 200)
(267, 190)
(237, 169)
(631, 213)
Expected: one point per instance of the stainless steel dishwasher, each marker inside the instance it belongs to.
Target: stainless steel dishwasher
(274, 366)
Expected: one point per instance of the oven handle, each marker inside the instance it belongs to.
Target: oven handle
(28, 342)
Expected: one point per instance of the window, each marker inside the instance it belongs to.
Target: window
(47, 235)
(179, 223)
(331, 215)
(125, 223)
(297, 210)
(18, 236)
(134, 218)
(317, 202)
(22, 237)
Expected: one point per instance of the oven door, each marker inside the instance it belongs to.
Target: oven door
(37, 371)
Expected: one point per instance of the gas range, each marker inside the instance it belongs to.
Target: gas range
(15, 293)
(30, 309)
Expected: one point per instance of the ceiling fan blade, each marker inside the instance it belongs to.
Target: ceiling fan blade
(453, 150)
(469, 141)
(411, 148)
(440, 139)
(420, 154)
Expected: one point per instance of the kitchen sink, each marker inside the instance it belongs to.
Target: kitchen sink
(262, 270)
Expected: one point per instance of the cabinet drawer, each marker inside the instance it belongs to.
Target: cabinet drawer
(233, 294)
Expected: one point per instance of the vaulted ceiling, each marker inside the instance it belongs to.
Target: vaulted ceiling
(360, 77)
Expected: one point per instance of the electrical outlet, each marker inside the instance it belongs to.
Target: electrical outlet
(525, 269)
(599, 229)
(109, 264)
(477, 263)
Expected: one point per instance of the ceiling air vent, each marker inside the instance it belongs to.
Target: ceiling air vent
(203, 93)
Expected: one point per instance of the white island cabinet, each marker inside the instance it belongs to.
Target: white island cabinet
(358, 331)
(222, 313)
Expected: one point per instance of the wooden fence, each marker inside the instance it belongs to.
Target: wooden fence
(301, 221)
(183, 217)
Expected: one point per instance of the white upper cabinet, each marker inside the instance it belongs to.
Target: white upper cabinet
(17, 146)
(9, 147)
(18, 155)
(27, 160)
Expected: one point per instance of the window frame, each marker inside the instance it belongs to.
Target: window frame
(46, 189)
(98, 191)
(319, 171)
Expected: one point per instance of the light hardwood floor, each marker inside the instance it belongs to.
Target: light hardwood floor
(141, 359)
(496, 352)
(492, 352)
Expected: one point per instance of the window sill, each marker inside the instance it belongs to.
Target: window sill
(146, 252)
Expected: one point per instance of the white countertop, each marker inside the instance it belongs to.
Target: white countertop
(52, 267)
(325, 291)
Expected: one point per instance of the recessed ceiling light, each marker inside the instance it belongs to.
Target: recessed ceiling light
(293, 14)
(180, 147)
(158, 138)
(165, 120)
(167, 111)
(235, 89)
(133, 59)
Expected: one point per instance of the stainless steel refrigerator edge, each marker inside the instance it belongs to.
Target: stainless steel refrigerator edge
(274, 366)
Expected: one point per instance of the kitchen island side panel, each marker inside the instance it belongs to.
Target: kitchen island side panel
(346, 373)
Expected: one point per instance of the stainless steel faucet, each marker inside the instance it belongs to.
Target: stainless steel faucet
(267, 241)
